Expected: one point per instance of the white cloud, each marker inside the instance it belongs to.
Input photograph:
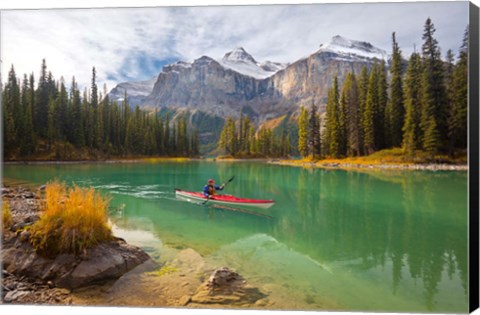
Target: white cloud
(129, 42)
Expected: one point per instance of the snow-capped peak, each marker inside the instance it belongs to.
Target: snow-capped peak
(348, 48)
(242, 62)
(239, 55)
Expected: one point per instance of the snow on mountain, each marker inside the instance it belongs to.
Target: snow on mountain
(242, 62)
(347, 49)
(136, 91)
(135, 88)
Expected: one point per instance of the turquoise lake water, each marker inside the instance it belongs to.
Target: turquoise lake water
(344, 240)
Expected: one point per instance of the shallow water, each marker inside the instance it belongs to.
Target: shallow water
(345, 240)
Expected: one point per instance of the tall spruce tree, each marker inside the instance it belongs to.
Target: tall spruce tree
(350, 94)
(313, 141)
(77, 136)
(411, 129)
(371, 113)
(42, 102)
(457, 124)
(362, 100)
(332, 126)
(303, 132)
(395, 111)
(434, 112)
(342, 123)
(382, 97)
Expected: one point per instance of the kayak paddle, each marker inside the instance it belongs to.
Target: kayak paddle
(223, 187)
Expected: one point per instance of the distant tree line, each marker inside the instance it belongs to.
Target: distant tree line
(49, 117)
(240, 138)
(422, 110)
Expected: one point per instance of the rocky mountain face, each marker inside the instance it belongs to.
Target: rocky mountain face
(262, 90)
(136, 91)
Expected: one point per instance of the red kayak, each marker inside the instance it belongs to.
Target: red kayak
(225, 199)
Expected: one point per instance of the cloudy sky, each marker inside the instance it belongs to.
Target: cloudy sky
(134, 43)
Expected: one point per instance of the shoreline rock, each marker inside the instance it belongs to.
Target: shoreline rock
(225, 287)
(31, 278)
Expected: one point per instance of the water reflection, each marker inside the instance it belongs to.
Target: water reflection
(402, 233)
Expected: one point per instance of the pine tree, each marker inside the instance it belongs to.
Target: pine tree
(313, 137)
(303, 132)
(228, 137)
(450, 90)
(362, 100)
(371, 113)
(95, 122)
(396, 111)
(77, 135)
(343, 123)
(433, 92)
(457, 124)
(52, 133)
(331, 135)
(27, 145)
(42, 102)
(382, 97)
(350, 94)
(411, 128)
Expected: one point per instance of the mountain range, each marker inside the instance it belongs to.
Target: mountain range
(209, 90)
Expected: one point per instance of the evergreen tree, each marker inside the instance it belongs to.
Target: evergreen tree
(362, 100)
(228, 137)
(450, 91)
(350, 94)
(411, 128)
(457, 124)
(77, 137)
(42, 102)
(395, 112)
(343, 123)
(433, 93)
(27, 142)
(370, 114)
(379, 114)
(303, 132)
(96, 118)
(313, 138)
(332, 126)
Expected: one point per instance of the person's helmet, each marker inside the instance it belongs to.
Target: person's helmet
(211, 181)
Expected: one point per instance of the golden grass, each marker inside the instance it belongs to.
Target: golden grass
(7, 220)
(166, 159)
(73, 219)
(394, 156)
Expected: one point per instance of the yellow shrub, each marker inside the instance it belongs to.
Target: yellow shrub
(73, 220)
(6, 215)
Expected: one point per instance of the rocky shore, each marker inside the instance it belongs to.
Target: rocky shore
(113, 273)
(30, 278)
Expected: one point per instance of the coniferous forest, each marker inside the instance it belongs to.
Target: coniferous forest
(422, 109)
(51, 122)
(418, 105)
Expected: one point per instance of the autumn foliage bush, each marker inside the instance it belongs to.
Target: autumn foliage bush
(73, 219)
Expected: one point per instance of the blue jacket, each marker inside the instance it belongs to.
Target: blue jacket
(206, 190)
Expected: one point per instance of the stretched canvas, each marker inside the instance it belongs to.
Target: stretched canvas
(262, 157)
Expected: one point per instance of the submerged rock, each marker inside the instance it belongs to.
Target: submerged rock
(226, 287)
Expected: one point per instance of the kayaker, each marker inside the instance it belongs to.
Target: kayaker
(210, 188)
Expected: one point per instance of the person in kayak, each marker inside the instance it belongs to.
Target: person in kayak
(210, 188)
